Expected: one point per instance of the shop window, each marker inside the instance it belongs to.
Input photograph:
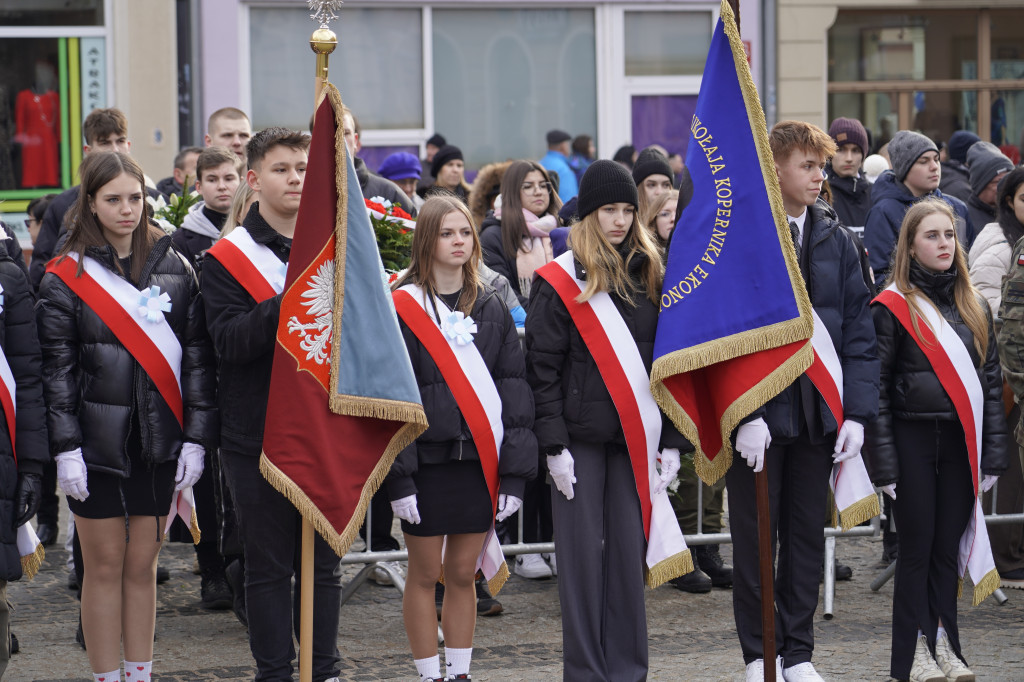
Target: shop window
(878, 46)
(47, 87)
(878, 111)
(377, 66)
(939, 114)
(1007, 49)
(667, 43)
(504, 77)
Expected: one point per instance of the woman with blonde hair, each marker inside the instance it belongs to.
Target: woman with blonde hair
(593, 315)
(939, 438)
(661, 217)
(469, 468)
(245, 196)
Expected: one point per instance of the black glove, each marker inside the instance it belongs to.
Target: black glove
(30, 494)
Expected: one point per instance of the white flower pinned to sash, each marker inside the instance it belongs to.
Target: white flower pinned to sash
(153, 303)
(459, 328)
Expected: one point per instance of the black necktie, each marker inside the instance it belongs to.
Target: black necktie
(794, 231)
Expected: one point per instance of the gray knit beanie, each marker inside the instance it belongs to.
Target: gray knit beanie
(905, 148)
(985, 161)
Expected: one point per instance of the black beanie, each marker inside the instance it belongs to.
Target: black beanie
(605, 182)
(447, 153)
(651, 162)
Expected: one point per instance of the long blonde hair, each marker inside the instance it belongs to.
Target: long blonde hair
(965, 296)
(606, 269)
(424, 243)
(650, 221)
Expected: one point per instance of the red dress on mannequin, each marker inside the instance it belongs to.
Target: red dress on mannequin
(37, 125)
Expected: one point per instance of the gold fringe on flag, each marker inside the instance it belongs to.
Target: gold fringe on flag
(858, 512)
(666, 569)
(32, 562)
(193, 527)
(984, 587)
(498, 580)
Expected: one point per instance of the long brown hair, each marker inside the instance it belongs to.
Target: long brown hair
(965, 296)
(606, 269)
(84, 229)
(424, 243)
(513, 225)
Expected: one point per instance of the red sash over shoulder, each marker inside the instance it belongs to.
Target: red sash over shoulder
(252, 264)
(471, 384)
(123, 308)
(622, 369)
(855, 497)
(952, 364)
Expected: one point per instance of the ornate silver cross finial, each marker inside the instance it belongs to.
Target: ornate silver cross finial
(324, 11)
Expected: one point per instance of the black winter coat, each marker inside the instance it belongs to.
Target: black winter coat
(244, 334)
(851, 198)
(448, 437)
(494, 255)
(21, 348)
(955, 181)
(835, 283)
(572, 399)
(910, 390)
(94, 386)
(981, 213)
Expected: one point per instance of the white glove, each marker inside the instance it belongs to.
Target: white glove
(987, 482)
(561, 467)
(849, 442)
(507, 506)
(669, 468)
(72, 474)
(190, 465)
(889, 490)
(752, 439)
(406, 509)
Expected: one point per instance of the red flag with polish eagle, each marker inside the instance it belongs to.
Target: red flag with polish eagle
(343, 397)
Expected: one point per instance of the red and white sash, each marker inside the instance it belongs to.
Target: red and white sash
(952, 364)
(252, 264)
(855, 496)
(610, 343)
(152, 343)
(470, 382)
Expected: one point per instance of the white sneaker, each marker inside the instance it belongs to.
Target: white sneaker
(755, 670)
(803, 672)
(381, 577)
(550, 558)
(952, 667)
(924, 668)
(532, 566)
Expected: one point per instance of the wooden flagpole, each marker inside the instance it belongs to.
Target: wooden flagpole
(764, 536)
(323, 41)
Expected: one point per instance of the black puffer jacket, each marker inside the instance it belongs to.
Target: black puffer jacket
(911, 391)
(94, 386)
(572, 399)
(851, 198)
(831, 268)
(494, 255)
(448, 436)
(244, 334)
(21, 348)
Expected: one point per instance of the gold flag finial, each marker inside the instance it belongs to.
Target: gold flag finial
(323, 41)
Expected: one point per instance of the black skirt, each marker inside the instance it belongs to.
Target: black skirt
(452, 498)
(146, 492)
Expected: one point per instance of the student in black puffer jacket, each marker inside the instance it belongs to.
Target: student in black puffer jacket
(121, 450)
(21, 478)
(598, 527)
(438, 484)
(916, 447)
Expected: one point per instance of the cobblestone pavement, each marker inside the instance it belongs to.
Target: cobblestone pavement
(691, 636)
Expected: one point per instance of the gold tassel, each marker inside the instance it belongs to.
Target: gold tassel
(859, 512)
(666, 569)
(498, 580)
(986, 586)
(31, 563)
(959, 588)
(193, 527)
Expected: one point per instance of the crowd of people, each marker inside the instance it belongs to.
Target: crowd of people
(142, 363)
